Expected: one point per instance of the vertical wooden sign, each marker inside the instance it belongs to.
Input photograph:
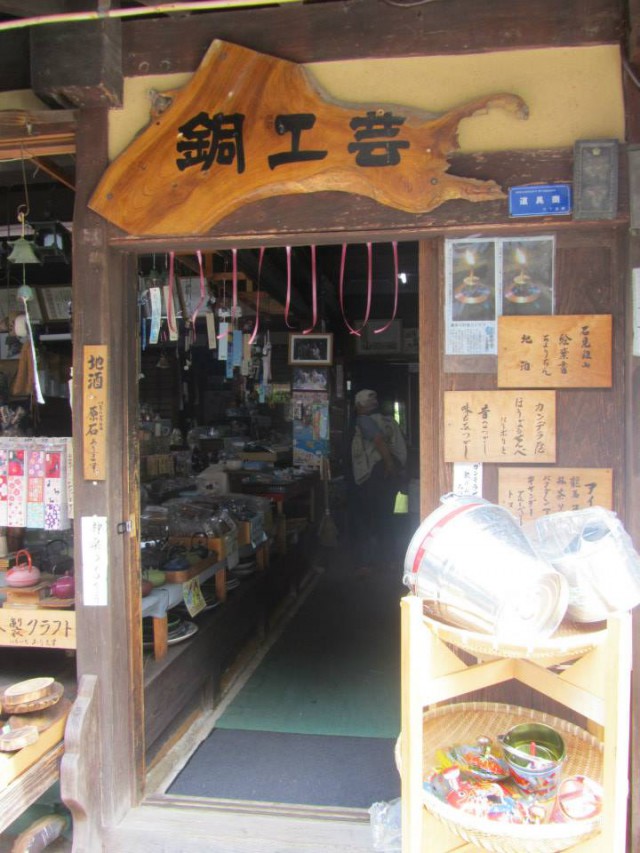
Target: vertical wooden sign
(532, 492)
(500, 426)
(94, 412)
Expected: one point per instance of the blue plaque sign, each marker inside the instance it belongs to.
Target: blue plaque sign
(540, 200)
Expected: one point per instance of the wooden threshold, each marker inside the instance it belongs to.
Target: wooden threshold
(194, 825)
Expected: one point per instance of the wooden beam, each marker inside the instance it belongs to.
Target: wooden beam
(371, 28)
(78, 64)
(327, 217)
(36, 133)
(54, 172)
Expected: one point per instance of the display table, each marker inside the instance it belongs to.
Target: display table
(281, 492)
(163, 598)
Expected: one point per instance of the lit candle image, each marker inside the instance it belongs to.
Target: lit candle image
(522, 289)
(472, 290)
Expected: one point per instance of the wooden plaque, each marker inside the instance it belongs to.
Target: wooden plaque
(500, 426)
(94, 412)
(38, 629)
(250, 126)
(532, 492)
(564, 351)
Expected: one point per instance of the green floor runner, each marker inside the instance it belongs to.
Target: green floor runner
(336, 668)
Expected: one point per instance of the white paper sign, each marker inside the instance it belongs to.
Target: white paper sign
(95, 561)
(467, 479)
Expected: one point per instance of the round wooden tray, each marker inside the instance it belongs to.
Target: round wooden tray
(22, 707)
(570, 641)
(463, 723)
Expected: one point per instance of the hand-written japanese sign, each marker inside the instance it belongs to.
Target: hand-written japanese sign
(250, 126)
(500, 426)
(562, 351)
(95, 561)
(94, 412)
(50, 629)
(532, 492)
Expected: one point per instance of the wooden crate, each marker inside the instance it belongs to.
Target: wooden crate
(13, 764)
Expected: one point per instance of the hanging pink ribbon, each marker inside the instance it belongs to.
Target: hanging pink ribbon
(314, 292)
(234, 286)
(395, 290)
(257, 323)
(287, 305)
(171, 314)
(203, 293)
(343, 259)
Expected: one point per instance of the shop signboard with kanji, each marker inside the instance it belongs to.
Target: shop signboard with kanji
(250, 126)
(500, 426)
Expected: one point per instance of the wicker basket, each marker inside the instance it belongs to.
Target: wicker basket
(569, 642)
(463, 723)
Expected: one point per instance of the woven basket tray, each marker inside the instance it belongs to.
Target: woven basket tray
(570, 641)
(463, 723)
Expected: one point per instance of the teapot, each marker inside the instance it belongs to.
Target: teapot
(23, 574)
(64, 587)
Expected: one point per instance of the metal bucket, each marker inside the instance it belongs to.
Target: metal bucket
(475, 568)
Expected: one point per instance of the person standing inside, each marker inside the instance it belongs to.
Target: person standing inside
(378, 457)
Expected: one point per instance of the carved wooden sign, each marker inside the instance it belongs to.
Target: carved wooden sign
(532, 492)
(500, 426)
(250, 126)
(563, 351)
(94, 412)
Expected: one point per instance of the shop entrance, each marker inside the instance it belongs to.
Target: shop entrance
(303, 685)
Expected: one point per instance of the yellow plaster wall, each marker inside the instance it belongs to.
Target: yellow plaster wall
(572, 93)
(21, 99)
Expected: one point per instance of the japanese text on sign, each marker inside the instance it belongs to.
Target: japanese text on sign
(206, 140)
(573, 351)
(94, 412)
(532, 492)
(95, 561)
(35, 628)
(500, 426)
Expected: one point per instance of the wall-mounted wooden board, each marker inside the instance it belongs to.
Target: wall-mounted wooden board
(531, 492)
(561, 351)
(500, 426)
(35, 628)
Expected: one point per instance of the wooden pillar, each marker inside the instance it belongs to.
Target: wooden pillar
(102, 786)
(431, 337)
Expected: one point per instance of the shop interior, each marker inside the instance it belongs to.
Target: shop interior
(324, 677)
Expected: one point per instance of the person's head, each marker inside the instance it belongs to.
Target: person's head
(366, 401)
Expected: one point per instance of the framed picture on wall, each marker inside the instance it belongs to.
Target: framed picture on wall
(311, 350)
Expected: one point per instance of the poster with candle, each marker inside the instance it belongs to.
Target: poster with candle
(470, 296)
(527, 270)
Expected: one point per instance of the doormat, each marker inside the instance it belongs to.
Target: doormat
(316, 770)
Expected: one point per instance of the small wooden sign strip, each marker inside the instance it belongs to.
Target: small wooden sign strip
(45, 629)
(529, 493)
(500, 426)
(564, 351)
(94, 412)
